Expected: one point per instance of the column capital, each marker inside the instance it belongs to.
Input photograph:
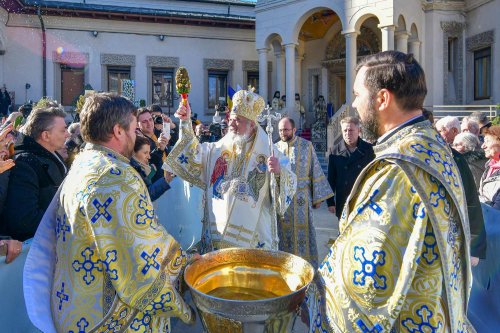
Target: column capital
(415, 42)
(401, 34)
(263, 50)
(390, 27)
(350, 33)
(278, 54)
(291, 45)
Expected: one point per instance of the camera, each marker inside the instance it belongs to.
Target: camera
(158, 120)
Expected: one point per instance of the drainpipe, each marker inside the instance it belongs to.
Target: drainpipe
(44, 53)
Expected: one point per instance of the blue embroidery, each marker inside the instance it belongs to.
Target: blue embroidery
(148, 215)
(462, 327)
(101, 210)
(430, 246)
(425, 323)
(377, 328)
(82, 324)
(183, 159)
(417, 212)
(288, 200)
(260, 245)
(87, 265)
(456, 268)
(62, 227)
(448, 174)
(376, 208)
(110, 257)
(111, 155)
(137, 324)
(112, 325)
(439, 195)
(115, 171)
(160, 306)
(369, 268)
(150, 260)
(62, 296)
(326, 261)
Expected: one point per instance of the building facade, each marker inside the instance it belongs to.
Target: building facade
(310, 47)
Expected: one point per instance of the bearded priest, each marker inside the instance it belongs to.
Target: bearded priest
(235, 174)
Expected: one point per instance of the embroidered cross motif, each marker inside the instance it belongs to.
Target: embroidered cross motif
(160, 306)
(87, 265)
(150, 260)
(260, 245)
(110, 257)
(376, 208)
(183, 159)
(418, 210)
(430, 246)
(425, 322)
(439, 195)
(62, 227)
(365, 329)
(148, 215)
(101, 210)
(327, 261)
(115, 171)
(447, 172)
(113, 325)
(137, 324)
(369, 268)
(82, 324)
(62, 296)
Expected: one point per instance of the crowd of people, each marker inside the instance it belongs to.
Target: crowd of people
(394, 183)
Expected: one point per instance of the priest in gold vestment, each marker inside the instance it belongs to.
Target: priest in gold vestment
(401, 262)
(235, 175)
(295, 228)
(117, 269)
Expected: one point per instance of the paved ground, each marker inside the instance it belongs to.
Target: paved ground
(326, 225)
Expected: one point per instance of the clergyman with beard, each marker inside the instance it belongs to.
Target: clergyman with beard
(296, 229)
(105, 221)
(235, 174)
(402, 257)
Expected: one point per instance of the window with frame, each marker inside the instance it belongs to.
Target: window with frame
(163, 86)
(72, 83)
(115, 77)
(482, 74)
(253, 80)
(217, 88)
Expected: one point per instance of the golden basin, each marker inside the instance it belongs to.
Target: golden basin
(248, 290)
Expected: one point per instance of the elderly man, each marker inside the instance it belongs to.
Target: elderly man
(345, 163)
(448, 127)
(295, 229)
(38, 172)
(116, 266)
(235, 174)
(401, 262)
(470, 125)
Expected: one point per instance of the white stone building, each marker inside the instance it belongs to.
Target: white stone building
(294, 46)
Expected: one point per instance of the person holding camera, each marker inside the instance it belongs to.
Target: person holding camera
(158, 144)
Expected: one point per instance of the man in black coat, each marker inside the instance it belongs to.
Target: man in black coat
(346, 161)
(38, 172)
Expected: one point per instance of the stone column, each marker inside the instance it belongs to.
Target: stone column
(324, 83)
(414, 47)
(279, 72)
(402, 41)
(290, 79)
(298, 75)
(387, 37)
(263, 73)
(350, 63)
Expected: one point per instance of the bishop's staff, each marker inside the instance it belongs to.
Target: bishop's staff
(267, 116)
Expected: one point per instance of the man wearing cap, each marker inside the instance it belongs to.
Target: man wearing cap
(235, 174)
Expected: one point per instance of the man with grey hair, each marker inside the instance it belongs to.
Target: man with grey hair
(470, 125)
(468, 145)
(448, 127)
(38, 172)
(482, 120)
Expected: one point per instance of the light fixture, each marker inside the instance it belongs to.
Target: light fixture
(95, 33)
(161, 37)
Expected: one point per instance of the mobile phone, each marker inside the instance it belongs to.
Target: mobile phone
(166, 130)
(18, 122)
(3, 250)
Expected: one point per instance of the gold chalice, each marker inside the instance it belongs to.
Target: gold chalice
(248, 290)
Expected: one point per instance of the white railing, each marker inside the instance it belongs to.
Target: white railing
(461, 111)
(333, 131)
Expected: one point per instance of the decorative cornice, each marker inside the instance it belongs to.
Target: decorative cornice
(452, 27)
(117, 59)
(480, 41)
(156, 61)
(443, 5)
(222, 64)
(70, 58)
(250, 66)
